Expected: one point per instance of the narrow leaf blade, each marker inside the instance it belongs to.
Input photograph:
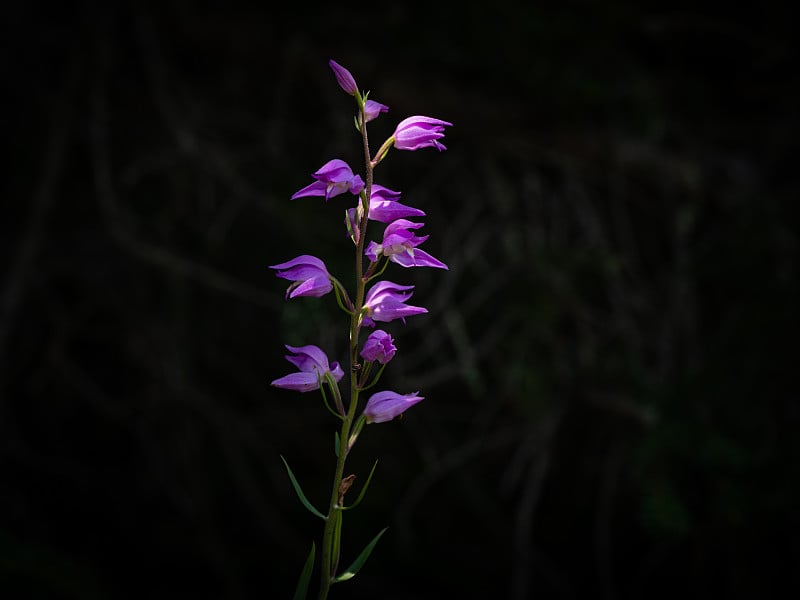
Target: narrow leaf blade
(305, 576)
(362, 558)
(363, 489)
(300, 493)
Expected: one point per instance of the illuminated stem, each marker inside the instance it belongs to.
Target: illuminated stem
(330, 534)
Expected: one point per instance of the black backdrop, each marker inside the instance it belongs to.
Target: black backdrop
(608, 365)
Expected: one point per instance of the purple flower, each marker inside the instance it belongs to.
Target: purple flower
(418, 132)
(379, 346)
(385, 301)
(333, 178)
(380, 192)
(313, 366)
(344, 78)
(400, 246)
(383, 207)
(386, 211)
(308, 274)
(385, 406)
(372, 109)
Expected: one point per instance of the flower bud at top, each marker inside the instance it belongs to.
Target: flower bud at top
(344, 78)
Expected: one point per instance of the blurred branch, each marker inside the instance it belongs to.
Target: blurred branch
(443, 466)
(211, 157)
(151, 253)
(54, 159)
(535, 450)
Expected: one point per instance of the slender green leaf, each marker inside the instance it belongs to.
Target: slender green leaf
(333, 386)
(305, 575)
(359, 425)
(362, 558)
(336, 443)
(300, 493)
(363, 489)
(375, 379)
(325, 399)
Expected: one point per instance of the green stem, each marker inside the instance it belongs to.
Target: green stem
(329, 533)
(383, 151)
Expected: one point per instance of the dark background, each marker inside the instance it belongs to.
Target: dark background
(609, 365)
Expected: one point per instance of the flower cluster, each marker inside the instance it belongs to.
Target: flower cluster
(374, 300)
(385, 301)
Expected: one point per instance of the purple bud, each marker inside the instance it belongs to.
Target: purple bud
(344, 78)
(379, 346)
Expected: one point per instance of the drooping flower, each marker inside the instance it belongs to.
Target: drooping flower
(386, 211)
(383, 207)
(333, 178)
(400, 245)
(313, 365)
(373, 109)
(379, 346)
(344, 78)
(385, 301)
(380, 192)
(385, 406)
(418, 132)
(308, 275)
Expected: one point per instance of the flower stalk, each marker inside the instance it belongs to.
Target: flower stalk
(332, 532)
(385, 301)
